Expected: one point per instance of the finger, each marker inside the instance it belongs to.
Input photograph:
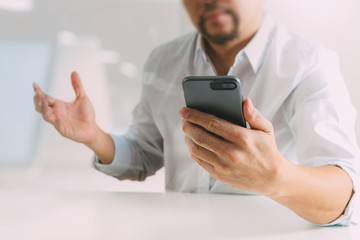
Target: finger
(37, 105)
(51, 101)
(43, 104)
(46, 97)
(220, 127)
(206, 139)
(38, 90)
(208, 167)
(41, 96)
(38, 99)
(255, 119)
(47, 113)
(202, 153)
(35, 86)
(77, 85)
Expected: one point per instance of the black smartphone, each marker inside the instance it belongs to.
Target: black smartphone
(220, 96)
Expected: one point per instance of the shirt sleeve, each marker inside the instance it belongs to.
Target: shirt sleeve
(322, 120)
(139, 152)
(121, 162)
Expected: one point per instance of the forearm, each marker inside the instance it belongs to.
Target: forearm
(318, 194)
(103, 146)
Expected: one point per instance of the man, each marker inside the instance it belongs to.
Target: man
(300, 149)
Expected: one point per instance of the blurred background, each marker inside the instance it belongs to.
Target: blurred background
(107, 42)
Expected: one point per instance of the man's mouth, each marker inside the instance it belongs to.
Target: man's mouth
(215, 15)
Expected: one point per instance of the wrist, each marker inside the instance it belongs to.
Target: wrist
(280, 187)
(95, 139)
(103, 146)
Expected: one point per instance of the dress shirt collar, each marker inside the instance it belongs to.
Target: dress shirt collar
(254, 51)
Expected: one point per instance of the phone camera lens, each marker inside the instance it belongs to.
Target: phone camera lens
(223, 85)
(228, 85)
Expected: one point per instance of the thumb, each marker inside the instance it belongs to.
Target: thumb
(255, 119)
(77, 85)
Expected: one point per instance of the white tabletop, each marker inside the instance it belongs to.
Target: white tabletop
(26, 214)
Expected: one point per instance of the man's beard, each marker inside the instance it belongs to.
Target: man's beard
(219, 39)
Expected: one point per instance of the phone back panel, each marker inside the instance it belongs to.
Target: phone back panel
(225, 103)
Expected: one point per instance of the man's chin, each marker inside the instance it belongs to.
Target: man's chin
(220, 39)
(219, 29)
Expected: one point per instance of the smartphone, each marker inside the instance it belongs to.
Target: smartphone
(220, 96)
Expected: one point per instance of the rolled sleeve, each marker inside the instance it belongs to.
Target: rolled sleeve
(122, 158)
(351, 214)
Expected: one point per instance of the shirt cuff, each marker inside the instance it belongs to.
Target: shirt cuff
(122, 158)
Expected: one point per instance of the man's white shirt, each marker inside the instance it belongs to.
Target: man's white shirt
(295, 84)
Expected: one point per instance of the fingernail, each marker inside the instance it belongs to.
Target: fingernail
(184, 112)
(251, 106)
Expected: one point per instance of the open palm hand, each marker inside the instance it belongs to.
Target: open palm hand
(74, 120)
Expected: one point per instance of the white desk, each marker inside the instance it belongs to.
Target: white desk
(116, 215)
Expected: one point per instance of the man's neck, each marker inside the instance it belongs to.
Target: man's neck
(223, 56)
